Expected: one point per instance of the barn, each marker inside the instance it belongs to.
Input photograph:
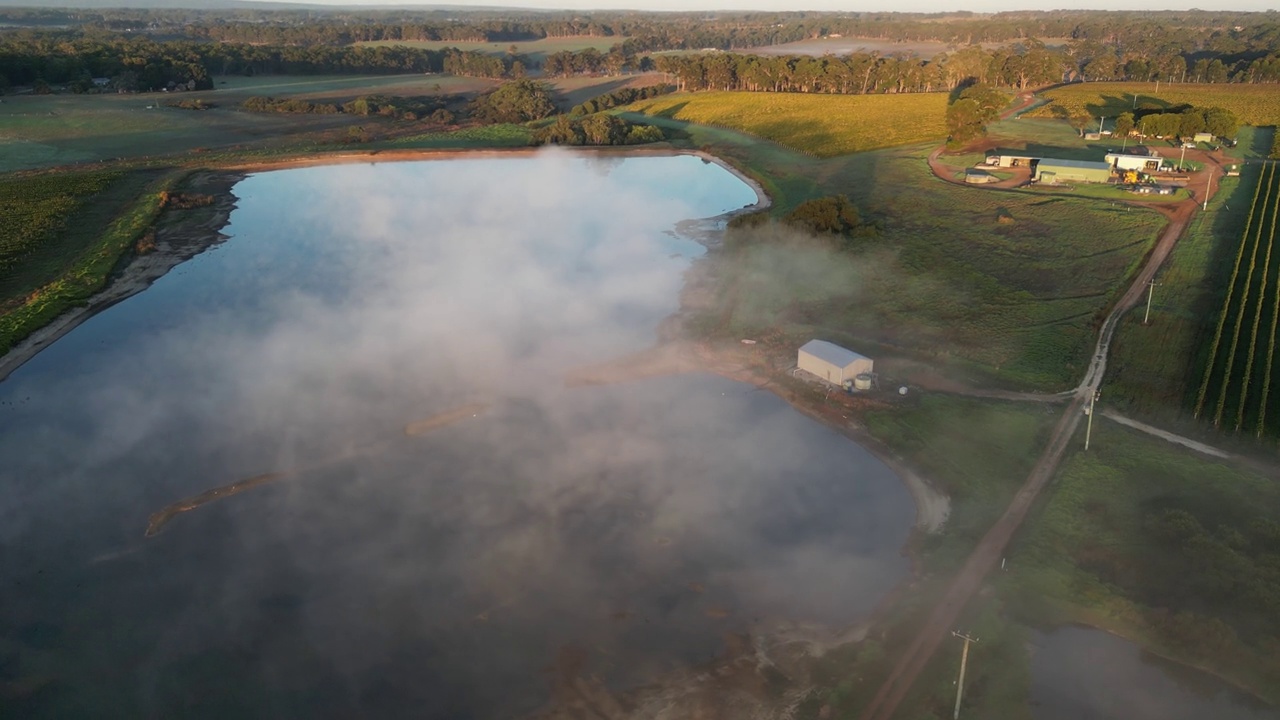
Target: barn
(1082, 171)
(831, 362)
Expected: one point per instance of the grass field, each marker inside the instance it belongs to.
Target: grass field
(504, 135)
(72, 261)
(48, 130)
(1235, 387)
(1162, 545)
(1003, 287)
(979, 452)
(1257, 105)
(819, 125)
(1153, 369)
(535, 50)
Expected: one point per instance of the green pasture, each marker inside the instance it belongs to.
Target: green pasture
(1152, 370)
(1002, 287)
(1160, 544)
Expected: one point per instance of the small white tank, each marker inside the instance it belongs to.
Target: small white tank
(902, 390)
(862, 382)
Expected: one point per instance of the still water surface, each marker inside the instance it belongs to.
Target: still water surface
(430, 577)
(1085, 674)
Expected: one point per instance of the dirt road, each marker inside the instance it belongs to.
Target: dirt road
(992, 547)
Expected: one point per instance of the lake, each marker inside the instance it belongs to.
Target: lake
(1079, 673)
(442, 575)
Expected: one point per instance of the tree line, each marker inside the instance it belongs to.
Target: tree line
(1141, 32)
(142, 63)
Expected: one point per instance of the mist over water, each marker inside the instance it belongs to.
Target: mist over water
(436, 576)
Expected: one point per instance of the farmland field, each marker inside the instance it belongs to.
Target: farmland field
(997, 288)
(535, 50)
(819, 125)
(1235, 390)
(1257, 105)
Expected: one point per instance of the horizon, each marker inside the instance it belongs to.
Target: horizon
(977, 7)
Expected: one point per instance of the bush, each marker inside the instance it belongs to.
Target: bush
(514, 102)
(618, 98)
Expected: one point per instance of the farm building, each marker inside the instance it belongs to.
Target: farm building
(1052, 171)
(1011, 160)
(1203, 137)
(831, 362)
(977, 176)
(1141, 163)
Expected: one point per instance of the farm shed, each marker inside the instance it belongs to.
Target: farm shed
(1142, 163)
(1203, 137)
(1056, 171)
(1011, 160)
(976, 176)
(831, 362)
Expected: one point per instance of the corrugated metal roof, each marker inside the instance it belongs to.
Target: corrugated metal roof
(832, 353)
(1081, 164)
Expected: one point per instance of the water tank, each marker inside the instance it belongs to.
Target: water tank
(862, 381)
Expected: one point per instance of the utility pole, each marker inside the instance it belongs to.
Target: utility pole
(1208, 178)
(1099, 125)
(964, 660)
(1135, 101)
(1151, 288)
(1157, 86)
(1088, 428)
(1182, 160)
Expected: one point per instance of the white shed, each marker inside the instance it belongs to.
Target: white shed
(831, 362)
(1143, 163)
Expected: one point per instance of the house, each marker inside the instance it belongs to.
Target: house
(832, 363)
(1051, 171)
(1203, 137)
(1141, 163)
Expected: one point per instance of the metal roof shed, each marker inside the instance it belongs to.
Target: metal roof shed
(831, 362)
(1054, 171)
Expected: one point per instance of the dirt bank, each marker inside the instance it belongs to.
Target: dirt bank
(180, 234)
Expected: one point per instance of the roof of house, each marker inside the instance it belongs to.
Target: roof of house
(1080, 164)
(832, 353)
(1144, 158)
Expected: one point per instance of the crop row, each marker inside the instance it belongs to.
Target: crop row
(1257, 105)
(815, 124)
(1252, 302)
(33, 210)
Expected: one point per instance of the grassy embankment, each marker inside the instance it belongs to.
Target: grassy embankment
(1257, 105)
(74, 228)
